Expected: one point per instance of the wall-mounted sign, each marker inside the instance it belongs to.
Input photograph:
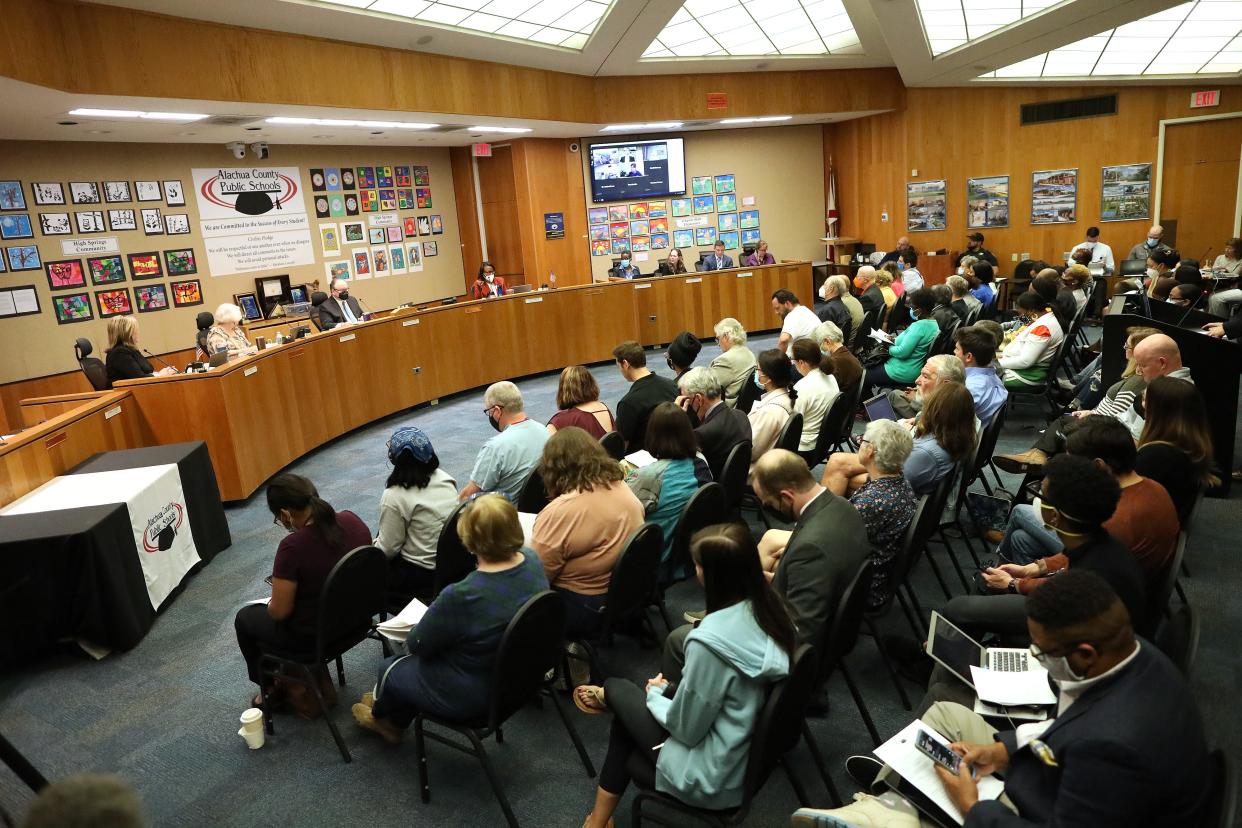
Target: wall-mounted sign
(481, 150)
(252, 218)
(554, 225)
(717, 100)
(88, 247)
(1206, 98)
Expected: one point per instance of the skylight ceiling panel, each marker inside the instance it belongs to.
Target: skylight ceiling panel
(440, 13)
(582, 18)
(486, 23)
(405, 8)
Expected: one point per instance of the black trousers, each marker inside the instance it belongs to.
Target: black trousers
(1052, 441)
(634, 734)
(256, 628)
(407, 581)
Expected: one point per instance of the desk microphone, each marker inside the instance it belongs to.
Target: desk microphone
(1203, 259)
(1189, 309)
(157, 359)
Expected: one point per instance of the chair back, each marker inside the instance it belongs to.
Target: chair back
(705, 507)
(453, 560)
(734, 473)
(1178, 638)
(203, 323)
(987, 442)
(918, 530)
(614, 443)
(791, 433)
(943, 343)
(966, 466)
(529, 649)
(973, 314)
(534, 496)
(352, 596)
(634, 575)
(865, 327)
(96, 372)
(317, 299)
(1160, 590)
(779, 724)
(839, 411)
(748, 393)
(1224, 803)
(843, 625)
(938, 498)
(898, 316)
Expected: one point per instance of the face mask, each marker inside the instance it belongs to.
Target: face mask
(1153, 242)
(1152, 273)
(491, 277)
(759, 382)
(1091, 245)
(823, 291)
(901, 265)
(344, 295)
(625, 262)
(1058, 668)
(492, 419)
(1178, 302)
(1038, 504)
(914, 313)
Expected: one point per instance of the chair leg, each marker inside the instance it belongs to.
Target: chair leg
(1181, 593)
(573, 735)
(796, 784)
(863, 711)
(340, 671)
(420, 751)
(313, 683)
(936, 571)
(481, 753)
(905, 609)
(919, 612)
(818, 758)
(888, 665)
(948, 548)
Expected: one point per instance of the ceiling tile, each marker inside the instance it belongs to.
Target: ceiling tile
(756, 28)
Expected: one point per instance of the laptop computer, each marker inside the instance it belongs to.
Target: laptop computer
(957, 652)
(521, 288)
(879, 408)
(219, 358)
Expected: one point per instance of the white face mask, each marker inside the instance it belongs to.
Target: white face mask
(1152, 273)
(823, 291)
(1058, 667)
(491, 277)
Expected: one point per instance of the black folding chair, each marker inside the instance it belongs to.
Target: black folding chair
(1160, 594)
(791, 433)
(453, 560)
(840, 412)
(912, 543)
(705, 507)
(1041, 391)
(352, 596)
(533, 496)
(939, 498)
(529, 650)
(613, 443)
(748, 394)
(1178, 638)
(733, 476)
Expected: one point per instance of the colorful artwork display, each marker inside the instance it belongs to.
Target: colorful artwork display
(726, 221)
(24, 257)
(659, 241)
(1054, 196)
(106, 270)
(597, 215)
(726, 203)
(65, 274)
(927, 205)
(12, 197)
(683, 238)
(681, 207)
(1125, 192)
(180, 262)
(704, 204)
(748, 219)
(618, 212)
(705, 236)
(145, 266)
(730, 239)
(701, 185)
(638, 228)
(600, 247)
(657, 209)
(75, 307)
(113, 302)
(155, 298)
(987, 201)
(187, 293)
(16, 226)
(750, 236)
(725, 183)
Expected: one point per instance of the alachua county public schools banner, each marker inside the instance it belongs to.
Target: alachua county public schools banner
(252, 218)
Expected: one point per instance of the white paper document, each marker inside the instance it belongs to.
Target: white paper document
(1008, 687)
(879, 336)
(640, 458)
(900, 754)
(397, 627)
(527, 519)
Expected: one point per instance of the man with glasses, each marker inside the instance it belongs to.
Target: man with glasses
(1126, 746)
(506, 460)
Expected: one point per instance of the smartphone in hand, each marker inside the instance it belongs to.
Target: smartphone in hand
(941, 754)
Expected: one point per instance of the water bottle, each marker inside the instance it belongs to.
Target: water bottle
(552, 278)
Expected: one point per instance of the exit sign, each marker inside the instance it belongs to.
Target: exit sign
(481, 150)
(1209, 98)
(717, 100)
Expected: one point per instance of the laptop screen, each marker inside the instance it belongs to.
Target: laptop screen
(953, 648)
(879, 408)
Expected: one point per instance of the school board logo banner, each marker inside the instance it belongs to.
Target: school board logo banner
(252, 218)
(162, 528)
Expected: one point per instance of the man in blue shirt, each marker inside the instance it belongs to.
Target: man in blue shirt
(976, 349)
(506, 460)
(625, 270)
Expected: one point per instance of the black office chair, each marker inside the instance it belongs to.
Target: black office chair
(733, 475)
(748, 394)
(791, 433)
(317, 299)
(203, 322)
(1223, 809)
(529, 649)
(533, 496)
(352, 596)
(96, 372)
(614, 443)
(453, 560)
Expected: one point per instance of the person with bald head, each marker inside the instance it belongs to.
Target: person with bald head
(339, 308)
(833, 292)
(1152, 244)
(869, 295)
(903, 244)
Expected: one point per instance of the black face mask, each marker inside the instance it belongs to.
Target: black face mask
(344, 295)
(492, 419)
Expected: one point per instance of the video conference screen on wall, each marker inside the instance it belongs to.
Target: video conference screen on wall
(637, 169)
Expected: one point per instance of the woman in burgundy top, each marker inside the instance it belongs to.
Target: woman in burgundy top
(577, 397)
(318, 537)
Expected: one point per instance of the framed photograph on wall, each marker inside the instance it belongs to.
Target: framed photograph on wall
(55, 224)
(113, 302)
(151, 298)
(148, 191)
(122, 220)
(180, 262)
(987, 201)
(927, 205)
(84, 192)
(187, 293)
(16, 226)
(249, 306)
(90, 221)
(1054, 196)
(11, 196)
(47, 193)
(24, 257)
(75, 307)
(300, 293)
(116, 192)
(430, 249)
(152, 221)
(174, 196)
(65, 274)
(145, 266)
(105, 270)
(1125, 192)
(177, 224)
(271, 291)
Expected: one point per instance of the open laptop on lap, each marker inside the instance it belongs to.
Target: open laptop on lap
(879, 408)
(957, 652)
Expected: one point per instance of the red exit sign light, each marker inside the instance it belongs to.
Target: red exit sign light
(1208, 98)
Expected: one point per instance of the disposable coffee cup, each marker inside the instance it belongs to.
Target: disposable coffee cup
(261, 342)
(254, 738)
(252, 719)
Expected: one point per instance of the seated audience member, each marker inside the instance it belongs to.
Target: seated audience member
(663, 487)
(942, 368)
(673, 265)
(1077, 497)
(884, 281)
(719, 428)
(813, 393)
(992, 327)
(1186, 296)
(417, 499)
(581, 532)
(318, 536)
(1145, 519)
(123, 359)
(942, 312)
(337, 309)
(1231, 260)
(893, 255)
(976, 348)
(733, 366)
(982, 276)
(1175, 446)
(1229, 263)
(682, 352)
(578, 404)
(689, 736)
(624, 269)
(1149, 245)
(1098, 253)
(506, 460)
(1074, 281)
(886, 502)
(964, 303)
(846, 369)
(870, 297)
(452, 649)
(227, 335)
(797, 320)
(770, 413)
(647, 390)
(834, 309)
(1047, 283)
(487, 283)
(85, 800)
(943, 436)
(908, 352)
(717, 260)
(1028, 356)
(1095, 763)
(1160, 266)
(911, 278)
(760, 257)
(974, 247)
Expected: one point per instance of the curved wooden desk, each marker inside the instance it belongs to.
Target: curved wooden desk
(261, 413)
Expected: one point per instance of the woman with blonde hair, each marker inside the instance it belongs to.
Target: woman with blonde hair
(577, 397)
(760, 257)
(884, 281)
(895, 284)
(124, 360)
(226, 334)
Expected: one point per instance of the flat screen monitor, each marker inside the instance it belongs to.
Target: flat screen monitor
(637, 169)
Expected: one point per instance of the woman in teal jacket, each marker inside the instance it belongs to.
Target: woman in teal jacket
(909, 351)
(694, 744)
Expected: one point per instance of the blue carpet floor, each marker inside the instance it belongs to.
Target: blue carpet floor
(164, 715)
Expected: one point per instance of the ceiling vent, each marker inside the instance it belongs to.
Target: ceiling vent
(447, 128)
(1042, 113)
(228, 120)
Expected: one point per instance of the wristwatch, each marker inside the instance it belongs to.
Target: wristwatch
(1013, 586)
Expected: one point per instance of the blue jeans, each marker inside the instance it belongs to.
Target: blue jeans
(1026, 539)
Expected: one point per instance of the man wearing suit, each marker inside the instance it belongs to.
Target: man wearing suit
(1126, 746)
(718, 260)
(340, 307)
(720, 427)
(736, 361)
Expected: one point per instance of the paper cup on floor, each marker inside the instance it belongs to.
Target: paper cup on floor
(254, 738)
(252, 719)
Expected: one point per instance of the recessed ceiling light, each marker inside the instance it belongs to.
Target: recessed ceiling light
(348, 122)
(107, 113)
(641, 127)
(172, 116)
(424, 40)
(761, 120)
(498, 129)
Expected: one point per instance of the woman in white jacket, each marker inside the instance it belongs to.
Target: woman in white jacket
(770, 413)
(1027, 359)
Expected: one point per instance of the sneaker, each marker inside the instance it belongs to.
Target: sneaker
(866, 811)
(1022, 463)
(694, 616)
(388, 731)
(863, 770)
(368, 700)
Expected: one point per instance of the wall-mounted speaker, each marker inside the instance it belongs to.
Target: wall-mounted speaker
(573, 146)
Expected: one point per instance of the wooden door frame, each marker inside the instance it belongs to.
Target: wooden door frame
(1221, 116)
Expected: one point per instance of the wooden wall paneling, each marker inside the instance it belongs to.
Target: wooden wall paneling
(549, 180)
(1201, 183)
(11, 395)
(498, 190)
(462, 163)
(41, 409)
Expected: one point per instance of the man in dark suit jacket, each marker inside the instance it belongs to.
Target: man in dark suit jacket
(870, 296)
(720, 427)
(717, 260)
(339, 307)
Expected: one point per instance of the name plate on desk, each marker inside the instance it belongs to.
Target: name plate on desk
(407, 323)
(745, 275)
(250, 371)
(474, 310)
(641, 287)
(693, 281)
(349, 337)
(112, 412)
(534, 300)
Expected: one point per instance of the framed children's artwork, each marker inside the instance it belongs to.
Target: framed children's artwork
(122, 220)
(597, 215)
(145, 266)
(377, 235)
(638, 228)
(659, 241)
(180, 262)
(423, 197)
(337, 270)
(383, 176)
(90, 221)
(24, 257)
(726, 203)
(640, 244)
(725, 183)
(620, 246)
(362, 264)
(249, 305)
(437, 225)
(147, 191)
(348, 179)
(726, 221)
(619, 230)
(332, 178)
(388, 199)
(638, 211)
(55, 224)
(657, 209)
(431, 249)
(748, 219)
(395, 233)
(75, 307)
(424, 225)
(336, 205)
(105, 270)
(396, 258)
(704, 204)
(150, 298)
(321, 207)
(16, 226)
(405, 199)
(422, 176)
(318, 185)
(84, 192)
(47, 193)
(601, 247)
(113, 302)
(730, 239)
(379, 262)
(299, 294)
(353, 232)
(401, 176)
(598, 232)
(705, 236)
(329, 240)
(22, 300)
(11, 196)
(116, 192)
(65, 274)
(174, 196)
(411, 227)
(750, 236)
(414, 257)
(152, 221)
(681, 207)
(187, 293)
(683, 239)
(701, 185)
(618, 212)
(366, 178)
(369, 201)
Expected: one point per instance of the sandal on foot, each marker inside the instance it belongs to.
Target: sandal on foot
(593, 704)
